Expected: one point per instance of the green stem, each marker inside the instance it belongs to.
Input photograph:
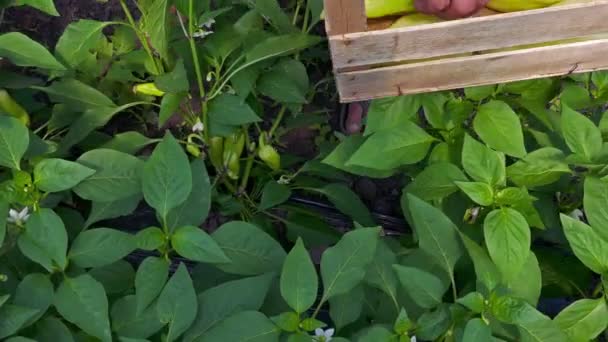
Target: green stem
(197, 68)
(454, 292)
(277, 122)
(140, 36)
(306, 19)
(297, 11)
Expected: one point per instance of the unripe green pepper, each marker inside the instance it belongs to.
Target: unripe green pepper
(268, 154)
(12, 108)
(216, 151)
(148, 89)
(233, 148)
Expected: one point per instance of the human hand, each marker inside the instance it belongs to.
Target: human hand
(450, 9)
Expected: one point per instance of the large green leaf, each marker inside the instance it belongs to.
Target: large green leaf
(485, 270)
(528, 282)
(156, 25)
(77, 95)
(392, 112)
(541, 167)
(482, 163)
(478, 192)
(217, 303)
(45, 240)
(23, 51)
(128, 142)
(584, 319)
(499, 127)
(176, 304)
(53, 329)
(116, 277)
(437, 235)
(195, 244)
(231, 110)
(433, 324)
(277, 46)
(55, 175)
(286, 82)
(82, 301)
(477, 330)
(109, 210)
(168, 106)
(340, 156)
(14, 317)
(508, 239)
(426, 289)
(343, 266)
(299, 280)
(595, 201)
(246, 326)
(35, 291)
(150, 279)
(3, 215)
(195, 209)
(127, 322)
(101, 246)
(251, 250)
(77, 40)
(380, 273)
(14, 140)
(167, 177)
(117, 177)
(586, 244)
(581, 134)
(345, 200)
(436, 181)
(46, 6)
(272, 12)
(347, 308)
(175, 81)
(274, 194)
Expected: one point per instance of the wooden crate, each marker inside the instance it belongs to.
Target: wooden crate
(362, 58)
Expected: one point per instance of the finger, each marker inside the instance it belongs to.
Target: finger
(431, 6)
(461, 9)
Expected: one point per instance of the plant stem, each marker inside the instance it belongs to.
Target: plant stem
(197, 69)
(277, 122)
(297, 11)
(140, 36)
(454, 292)
(248, 166)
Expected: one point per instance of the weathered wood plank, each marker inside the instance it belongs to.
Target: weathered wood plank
(345, 16)
(454, 73)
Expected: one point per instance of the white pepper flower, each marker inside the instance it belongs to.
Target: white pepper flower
(323, 335)
(198, 126)
(18, 217)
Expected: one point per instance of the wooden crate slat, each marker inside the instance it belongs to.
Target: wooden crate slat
(365, 49)
(454, 73)
(345, 16)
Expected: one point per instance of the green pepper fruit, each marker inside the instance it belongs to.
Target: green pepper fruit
(148, 89)
(233, 148)
(268, 154)
(216, 151)
(9, 106)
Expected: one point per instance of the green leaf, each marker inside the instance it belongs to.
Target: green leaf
(150, 239)
(380, 273)
(485, 270)
(391, 113)
(473, 301)
(575, 96)
(35, 291)
(347, 308)
(231, 110)
(109, 210)
(477, 331)
(424, 288)
(23, 51)
(480, 193)
(224, 300)
(584, 319)
(408, 144)
(479, 93)
(507, 236)
(499, 127)
(581, 134)
(586, 244)
(339, 157)
(167, 177)
(277, 46)
(375, 333)
(55, 175)
(14, 140)
(402, 323)
(82, 301)
(433, 324)
(343, 265)
(101, 246)
(287, 321)
(594, 201)
(345, 200)
(118, 176)
(168, 106)
(482, 163)
(251, 250)
(3, 215)
(437, 235)
(46, 6)
(541, 167)
(156, 26)
(127, 322)
(77, 95)
(299, 281)
(150, 279)
(272, 12)
(175, 81)
(436, 181)
(77, 40)
(195, 209)
(528, 282)
(175, 304)
(128, 142)
(45, 240)
(14, 318)
(116, 277)
(274, 194)
(286, 82)
(195, 244)
(52, 329)
(250, 326)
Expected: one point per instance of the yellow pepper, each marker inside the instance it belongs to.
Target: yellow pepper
(148, 89)
(9, 106)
